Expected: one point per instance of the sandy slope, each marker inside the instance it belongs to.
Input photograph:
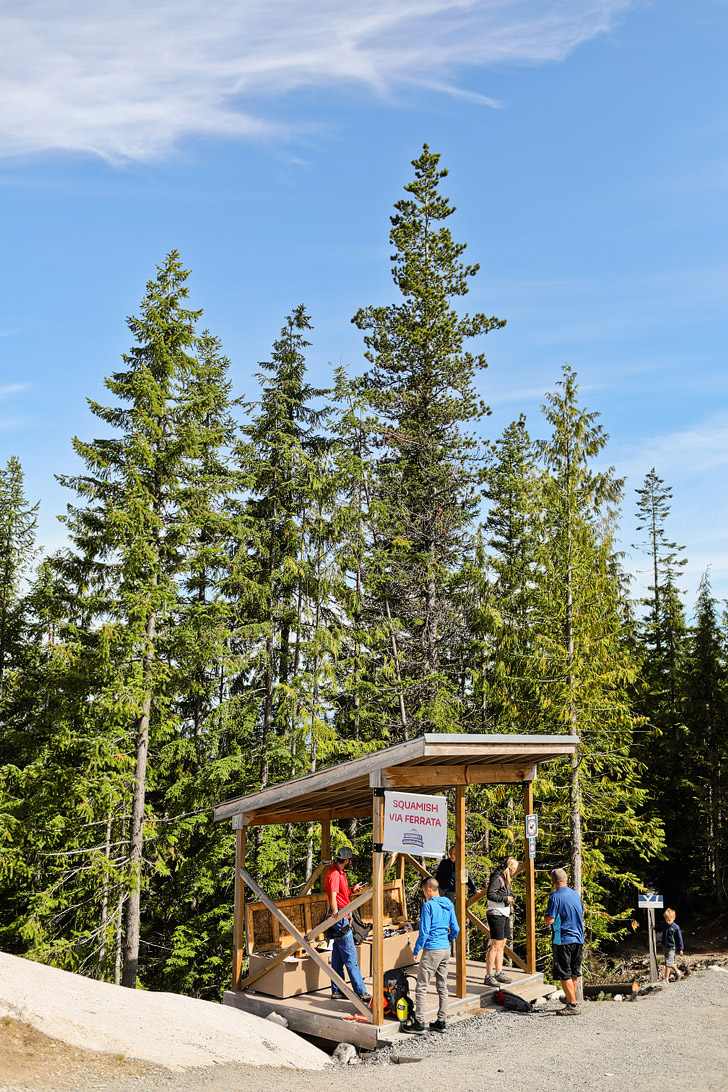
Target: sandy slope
(162, 1028)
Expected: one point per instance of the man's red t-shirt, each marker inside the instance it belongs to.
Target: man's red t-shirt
(336, 880)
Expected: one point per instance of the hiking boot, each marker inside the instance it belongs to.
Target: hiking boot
(366, 998)
(413, 1027)
(500, 977)
(569, 1010)
(491, 980)
(337, 995)
(438, 1025)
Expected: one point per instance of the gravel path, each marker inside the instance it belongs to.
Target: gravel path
(674, 1039)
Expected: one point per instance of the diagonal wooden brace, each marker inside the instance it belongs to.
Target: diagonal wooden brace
(303, 942)
(484, 929)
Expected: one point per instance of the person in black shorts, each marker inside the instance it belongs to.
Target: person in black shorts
(500, 901)
(565, 915)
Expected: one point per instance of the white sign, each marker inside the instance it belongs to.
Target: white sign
(531, 847)
(650, 902)
(531, 826)
(415, 824)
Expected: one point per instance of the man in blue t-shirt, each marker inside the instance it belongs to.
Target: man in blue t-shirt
(565, 915)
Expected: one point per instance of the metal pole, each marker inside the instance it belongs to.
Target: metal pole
(651, 937)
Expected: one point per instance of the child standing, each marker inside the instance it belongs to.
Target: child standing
(672, 942)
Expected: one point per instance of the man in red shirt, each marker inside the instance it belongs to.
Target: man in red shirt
(343, 953)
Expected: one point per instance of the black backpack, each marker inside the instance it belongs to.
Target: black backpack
(396, 987)
(512, 1002)
(361, 929)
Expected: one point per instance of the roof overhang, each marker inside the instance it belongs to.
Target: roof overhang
(431, 763)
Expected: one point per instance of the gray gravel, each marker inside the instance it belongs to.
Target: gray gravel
(674, 1039)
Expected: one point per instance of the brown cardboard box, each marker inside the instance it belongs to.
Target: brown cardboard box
(291, 977)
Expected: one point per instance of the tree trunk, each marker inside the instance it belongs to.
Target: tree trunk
(136, 840)
(105, 899)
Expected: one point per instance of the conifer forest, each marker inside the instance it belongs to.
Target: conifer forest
(260, 584)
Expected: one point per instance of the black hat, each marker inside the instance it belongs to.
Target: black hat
(343, 853)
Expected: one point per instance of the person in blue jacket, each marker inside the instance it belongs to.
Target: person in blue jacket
(438, 927)
(672, 942)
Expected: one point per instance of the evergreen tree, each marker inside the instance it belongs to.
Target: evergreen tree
(703, 779)
(138, 531)
(278, 458)
(422, 387)
(17, 541)
(662, 636)
(586, 644)
(505, 686)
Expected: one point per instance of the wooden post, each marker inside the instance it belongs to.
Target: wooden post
(400, 866)
(238, 905)
(460, 890)
(325, 847)
(530, 885)
(378, 909)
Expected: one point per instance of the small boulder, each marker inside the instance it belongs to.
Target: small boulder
(345, 1054)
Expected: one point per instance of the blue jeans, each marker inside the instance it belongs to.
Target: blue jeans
(343, 954)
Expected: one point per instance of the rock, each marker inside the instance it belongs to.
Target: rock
(618, 997)
(557, 996)
(716, 967)
(345, 1054)
(276, 1018)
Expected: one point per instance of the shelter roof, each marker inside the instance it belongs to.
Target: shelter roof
(433, 762)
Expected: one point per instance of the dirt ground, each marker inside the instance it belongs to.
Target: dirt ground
(674, 1039)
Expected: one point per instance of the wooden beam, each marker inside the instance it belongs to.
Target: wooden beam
(530, 885)
(305, 944)
(248, 981)
(460, 892)
(393, 857)
(416, 865)
(421, 777)
(238, 908)
(322, 780)
(377, 912)
(268, 818)
(314, 876)
(325, 845)
(504, 751)
(484, 929)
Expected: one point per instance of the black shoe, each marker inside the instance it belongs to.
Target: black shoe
(414, 1027)
(438, 1025)
(365, 997)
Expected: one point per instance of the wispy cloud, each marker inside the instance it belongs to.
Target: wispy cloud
(679, 455)
(128, 81)
(9, 389)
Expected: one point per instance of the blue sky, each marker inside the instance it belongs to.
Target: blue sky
(587, 147)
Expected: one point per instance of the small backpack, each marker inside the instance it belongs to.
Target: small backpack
(361, 929)
(396, 988)
(512, 1002)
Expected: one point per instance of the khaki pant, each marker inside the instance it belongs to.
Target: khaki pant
(432, 961)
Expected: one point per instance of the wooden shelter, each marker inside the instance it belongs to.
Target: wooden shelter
(428, 764)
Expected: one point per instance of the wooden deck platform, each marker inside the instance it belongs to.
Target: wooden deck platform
(319, 1014)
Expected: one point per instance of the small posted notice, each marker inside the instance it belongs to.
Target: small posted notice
(415, 824)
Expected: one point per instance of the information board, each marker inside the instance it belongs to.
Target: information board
(414, 823)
